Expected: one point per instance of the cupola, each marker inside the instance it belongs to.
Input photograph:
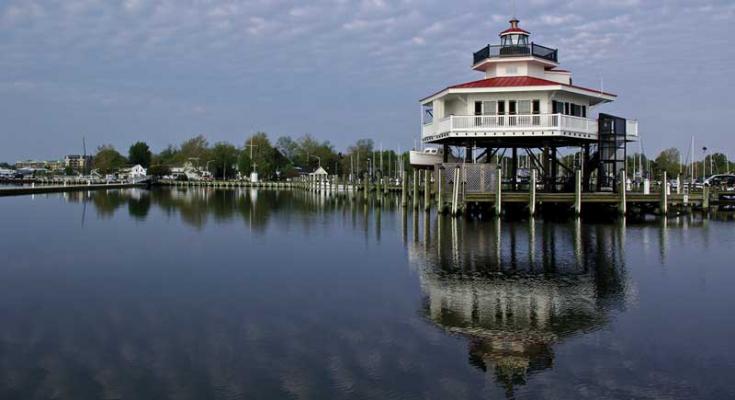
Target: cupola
(514, 36)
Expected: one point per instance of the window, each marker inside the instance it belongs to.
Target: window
(478, 108)
(524, 107)
(501, 111)
(489, 107)
(557, 107)
(512, 107)
(584, 111)
(536, 109)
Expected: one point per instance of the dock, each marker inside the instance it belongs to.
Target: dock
(42, 189)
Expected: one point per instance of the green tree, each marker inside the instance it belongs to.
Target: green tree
(167, 157)
(224, 160)
(140, 153)
(195, 149)
(159, 170)
(311, 153)
(668, 160)
(6, 165)
(108, 160)
(719, 163)
(357, 155)
(263, 156)
(68, 171)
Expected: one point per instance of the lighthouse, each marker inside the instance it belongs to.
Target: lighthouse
(527, 108)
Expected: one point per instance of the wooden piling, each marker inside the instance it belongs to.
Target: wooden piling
(404, 190)
(705, 198)
(498, 192)
(415, 194)
(440, 190)
(532, 194)
(427, 190)
(664, 206)
(623, 205)
(455, 193)
(578, 192)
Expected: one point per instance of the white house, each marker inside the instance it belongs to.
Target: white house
(134, 172)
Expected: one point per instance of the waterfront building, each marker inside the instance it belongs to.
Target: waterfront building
(526, 103)
(135, 172)
(31, 164)
(77, 162)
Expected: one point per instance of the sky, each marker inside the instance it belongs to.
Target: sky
(162, 71)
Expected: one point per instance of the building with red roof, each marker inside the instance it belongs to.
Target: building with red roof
(525, 102)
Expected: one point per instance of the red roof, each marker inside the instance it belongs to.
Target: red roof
(513, 81)
(514, 30)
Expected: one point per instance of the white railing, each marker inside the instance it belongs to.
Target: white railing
(510, 123)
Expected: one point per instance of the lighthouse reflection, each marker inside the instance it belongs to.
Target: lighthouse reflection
(517, 290)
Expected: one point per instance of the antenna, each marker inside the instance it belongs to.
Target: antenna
(513, 5)
(602, 84)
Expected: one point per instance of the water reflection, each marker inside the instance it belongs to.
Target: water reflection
(515, 290)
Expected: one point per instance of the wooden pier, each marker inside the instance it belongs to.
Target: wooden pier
(41, 189)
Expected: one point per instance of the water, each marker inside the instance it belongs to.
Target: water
(203, 294)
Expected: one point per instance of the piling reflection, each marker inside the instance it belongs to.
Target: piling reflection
(514, 295)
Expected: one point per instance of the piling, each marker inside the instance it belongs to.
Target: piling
(705, 198)
(623, 206)
(498, 192)
(404, 190)
(415, 194)
(455, 192)
(578, 192)
(532, 194)
(427, 190)
(664, 206)
(440, 190)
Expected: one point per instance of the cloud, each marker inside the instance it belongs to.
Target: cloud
(243, 52)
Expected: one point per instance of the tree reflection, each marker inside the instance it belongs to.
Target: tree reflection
(513, 295)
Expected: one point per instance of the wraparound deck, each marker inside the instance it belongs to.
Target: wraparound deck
(517, 126)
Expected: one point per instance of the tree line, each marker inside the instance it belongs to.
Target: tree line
(285, 158)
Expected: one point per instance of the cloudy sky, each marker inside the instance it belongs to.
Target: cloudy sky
(117, 71)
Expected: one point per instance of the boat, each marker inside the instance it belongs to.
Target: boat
(428, 157)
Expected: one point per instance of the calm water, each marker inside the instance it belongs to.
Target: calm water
(204, 294)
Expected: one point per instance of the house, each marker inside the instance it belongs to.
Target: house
(133, 173)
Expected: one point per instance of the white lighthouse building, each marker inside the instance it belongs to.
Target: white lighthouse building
(526, 103)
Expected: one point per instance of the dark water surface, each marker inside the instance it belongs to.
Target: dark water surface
(203, 294)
